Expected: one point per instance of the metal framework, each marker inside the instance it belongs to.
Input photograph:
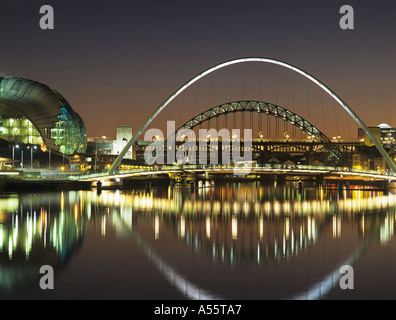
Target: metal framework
(268, 109)
(259, 107)
(359, 121)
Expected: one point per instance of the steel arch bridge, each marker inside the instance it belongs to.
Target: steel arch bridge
(262, 108)
(259, 107)
(332, 94)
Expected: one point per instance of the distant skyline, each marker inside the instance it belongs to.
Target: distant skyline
(117, 61)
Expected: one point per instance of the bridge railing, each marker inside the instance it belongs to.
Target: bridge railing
(249, 167)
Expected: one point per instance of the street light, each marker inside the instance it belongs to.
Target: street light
(31, 156)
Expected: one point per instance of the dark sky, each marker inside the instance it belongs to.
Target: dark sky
(117, 61)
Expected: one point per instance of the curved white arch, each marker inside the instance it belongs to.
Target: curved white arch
(378, 145)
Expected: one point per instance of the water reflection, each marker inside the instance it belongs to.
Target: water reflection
(36, 230)
(232, 241)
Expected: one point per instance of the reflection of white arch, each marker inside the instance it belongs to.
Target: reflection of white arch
(185, 286)
(266, 60)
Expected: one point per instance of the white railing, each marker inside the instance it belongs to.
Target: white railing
(228, 167)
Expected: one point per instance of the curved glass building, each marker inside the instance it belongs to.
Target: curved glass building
(33, 113)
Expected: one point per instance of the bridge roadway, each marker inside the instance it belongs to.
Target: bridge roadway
(212, 170)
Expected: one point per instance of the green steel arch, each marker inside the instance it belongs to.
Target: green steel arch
(268, 109)
(359, 121)
(259, 107)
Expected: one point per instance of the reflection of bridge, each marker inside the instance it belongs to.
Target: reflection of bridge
(247, 227)
(254, 234)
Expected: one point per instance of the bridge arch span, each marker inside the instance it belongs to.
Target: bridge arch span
(259, 107)
(264, 108)
(359, 121)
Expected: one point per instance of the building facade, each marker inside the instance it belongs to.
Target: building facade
(32, 113)
(124, 134)
(383, 132)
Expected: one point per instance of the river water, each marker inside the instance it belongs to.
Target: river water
(243, 241)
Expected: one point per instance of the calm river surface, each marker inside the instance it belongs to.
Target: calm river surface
(233, 241)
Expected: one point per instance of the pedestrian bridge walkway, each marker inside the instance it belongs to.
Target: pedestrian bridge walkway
(240, 171)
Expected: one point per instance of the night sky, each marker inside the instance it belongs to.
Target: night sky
(117, 61)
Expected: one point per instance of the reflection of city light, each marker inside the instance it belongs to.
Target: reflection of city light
(62, 201)
(216, 207)
(208, 227)
(1, 237)
(336, 227)
(234, 228)
(10, 248)
(277, 207)
(156, 227)
(236, 208)
(311, 228)
(292, 241)
(258, 253)
(117, 198)
(387, 229)
(287, 228)
(300, 220)
(246, 208)
(182, 227)
(362, 225)
(75, 212)
(301, 236)
(103, 230)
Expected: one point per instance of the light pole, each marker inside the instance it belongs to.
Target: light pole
(96, 154)
(21, 159)
(13, 154)
(31, 156)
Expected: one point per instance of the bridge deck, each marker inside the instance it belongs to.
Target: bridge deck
(242, 171)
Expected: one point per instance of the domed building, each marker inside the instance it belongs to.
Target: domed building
(384, 126)
(32, 113)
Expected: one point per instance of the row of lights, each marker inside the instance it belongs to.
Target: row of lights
(31, 154)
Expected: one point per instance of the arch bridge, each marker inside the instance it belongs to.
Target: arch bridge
(321, 85)
(288, 116)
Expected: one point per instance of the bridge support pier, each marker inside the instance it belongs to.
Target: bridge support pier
(280, 179)
(310, 156)
(147, 185)
(300, 186)
(99, 187)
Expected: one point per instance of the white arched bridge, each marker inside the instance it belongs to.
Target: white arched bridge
(258, 107)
